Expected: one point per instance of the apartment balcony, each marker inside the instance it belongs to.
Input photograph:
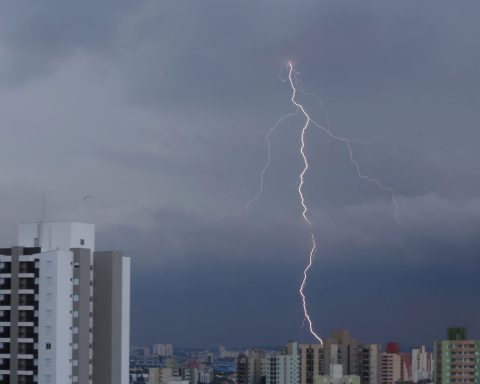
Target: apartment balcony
(25, 283)
(5, 284)
(25, 333)
(5, 267)
(27, 267)
(26, 300)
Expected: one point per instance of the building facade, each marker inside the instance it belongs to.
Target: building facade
(422, 365)
(283, 367)
(312, 361)
(457, 359)
(341, 349)
(47, 310)
(370, 362)
(391, 367)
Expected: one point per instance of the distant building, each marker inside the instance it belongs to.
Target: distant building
(243, 374)
(341, 349)
(163, 350)
(205, 375)
(392, 364)
(312, 361)
(422, 365)
(251, 367)
(457, 358)
(158, 375)
(224, 353)
(370, 363)
(64, 309)
(337, 377)
(283, 367)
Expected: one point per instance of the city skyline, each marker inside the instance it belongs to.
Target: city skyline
(149, 120)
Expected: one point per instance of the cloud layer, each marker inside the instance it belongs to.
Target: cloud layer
(159, 111)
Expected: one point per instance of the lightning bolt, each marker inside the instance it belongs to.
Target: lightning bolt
(356, 164)
(347, 142)
(304, 205)
(305, 212)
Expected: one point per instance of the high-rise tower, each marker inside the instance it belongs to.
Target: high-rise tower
(49, 312)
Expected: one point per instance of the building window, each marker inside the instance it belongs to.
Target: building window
(82, 241)
(48, 346)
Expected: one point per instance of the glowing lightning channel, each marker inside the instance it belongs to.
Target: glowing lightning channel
(347, 142)
(356, 164)
(304, 206)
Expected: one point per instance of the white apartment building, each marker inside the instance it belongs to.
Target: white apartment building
(283, 368)
(51, 305)
(422, 365)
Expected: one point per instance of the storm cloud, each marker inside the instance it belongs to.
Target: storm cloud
(159, 110)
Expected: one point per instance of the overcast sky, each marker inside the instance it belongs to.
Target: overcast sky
(158, 109)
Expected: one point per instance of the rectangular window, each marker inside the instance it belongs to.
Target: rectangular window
(48, 346)
(82, 241)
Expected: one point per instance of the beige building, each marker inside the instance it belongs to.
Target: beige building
(370, 362)
(311, 362)
(341, 349)
(160, 375)
(391, 368)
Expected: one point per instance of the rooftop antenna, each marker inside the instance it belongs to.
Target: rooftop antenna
(43, 207)
(38, 240)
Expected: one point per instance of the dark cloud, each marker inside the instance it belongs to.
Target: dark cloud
(159, 110)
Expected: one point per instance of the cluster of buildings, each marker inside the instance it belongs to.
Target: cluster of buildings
(342, 360)
(64, 308)
(155, 365)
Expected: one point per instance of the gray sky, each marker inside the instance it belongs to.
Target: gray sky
(159, 111)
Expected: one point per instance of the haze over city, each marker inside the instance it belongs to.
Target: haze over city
(149, 120)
